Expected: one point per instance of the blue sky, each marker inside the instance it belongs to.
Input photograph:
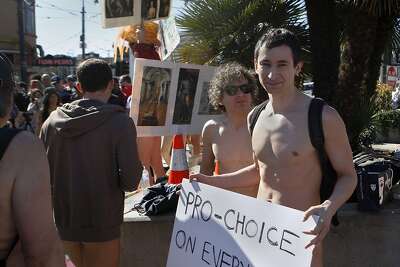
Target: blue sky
(58, 27)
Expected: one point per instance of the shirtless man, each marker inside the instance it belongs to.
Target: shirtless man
(25, 202)
(285, 163)
(231, 92)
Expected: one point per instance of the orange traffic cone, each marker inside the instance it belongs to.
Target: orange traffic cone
(179, 168)
(216, 168)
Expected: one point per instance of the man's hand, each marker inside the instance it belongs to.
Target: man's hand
(323, 225)
(199, 177)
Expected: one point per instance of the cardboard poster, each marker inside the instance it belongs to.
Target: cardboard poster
(117, 13)
(166, 97)
(169, 37)
(215, 227)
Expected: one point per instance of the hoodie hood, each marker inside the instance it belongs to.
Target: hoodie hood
(82, 116)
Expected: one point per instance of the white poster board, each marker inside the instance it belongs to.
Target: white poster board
(117, 13)
(169, 37)
(166, 97)
(215, 227)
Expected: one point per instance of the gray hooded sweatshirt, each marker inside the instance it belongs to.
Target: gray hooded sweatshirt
(92, 151)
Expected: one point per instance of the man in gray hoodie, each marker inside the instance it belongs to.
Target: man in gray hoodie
(91, 147)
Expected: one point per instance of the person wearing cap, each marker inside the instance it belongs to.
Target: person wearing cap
(27, 228)
(46, 80)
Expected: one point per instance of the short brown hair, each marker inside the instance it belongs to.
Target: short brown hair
(224, 75)
(94, 75)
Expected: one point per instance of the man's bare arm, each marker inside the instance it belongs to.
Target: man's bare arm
(245, 177)
(130, 167)
(32, 209)
(207, 155)
(339, 152)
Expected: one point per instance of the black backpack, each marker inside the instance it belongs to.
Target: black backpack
(329, 175)
(6, 135)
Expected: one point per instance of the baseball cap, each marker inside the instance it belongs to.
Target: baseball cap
(6, 69)
(71, 78)
(55, 78)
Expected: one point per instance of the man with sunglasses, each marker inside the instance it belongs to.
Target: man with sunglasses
(25, 201)
(286, 165)
(231, 92)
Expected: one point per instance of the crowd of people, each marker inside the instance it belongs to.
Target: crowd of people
(94, 155)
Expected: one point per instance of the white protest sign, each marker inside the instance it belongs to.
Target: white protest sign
(170, 98)
(169, 37)
(215, 227)
(116, 13)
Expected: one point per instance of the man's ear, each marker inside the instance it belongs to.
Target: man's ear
(79, 87)
(110, 85)
(299, 67)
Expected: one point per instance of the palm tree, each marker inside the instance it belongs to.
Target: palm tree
(368, 29)
(218, 31)
(348, 38)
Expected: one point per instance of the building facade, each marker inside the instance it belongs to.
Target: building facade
(9, 32)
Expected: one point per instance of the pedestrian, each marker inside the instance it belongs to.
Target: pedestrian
(25, 198)
(231, 91)
(286, 165)
(91, 147)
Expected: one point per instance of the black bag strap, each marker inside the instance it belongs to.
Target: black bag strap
(315, 124)
(255, 114)
(316, 132)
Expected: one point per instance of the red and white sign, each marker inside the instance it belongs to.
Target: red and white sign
(391, 75)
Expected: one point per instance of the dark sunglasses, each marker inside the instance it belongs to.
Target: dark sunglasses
(233, 89)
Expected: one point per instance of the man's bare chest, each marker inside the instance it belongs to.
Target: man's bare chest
(232, 144)
(282, 139)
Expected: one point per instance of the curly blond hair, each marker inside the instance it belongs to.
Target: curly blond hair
(224, 75)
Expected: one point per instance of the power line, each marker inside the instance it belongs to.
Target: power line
(64, 9)
(64, 40)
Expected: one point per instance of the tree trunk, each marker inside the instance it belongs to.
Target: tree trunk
(352, 99)
(383, 35)
(324, 46)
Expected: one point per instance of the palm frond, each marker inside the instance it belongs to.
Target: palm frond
(229, 29)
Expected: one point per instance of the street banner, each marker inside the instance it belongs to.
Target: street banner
(170, 98)
(215, 227)
(169, 37)
(117, 13)
(391, 75)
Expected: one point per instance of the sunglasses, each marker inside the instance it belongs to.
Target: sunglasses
(232, 90)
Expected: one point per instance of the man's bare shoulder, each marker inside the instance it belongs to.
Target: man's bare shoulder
(25, 141)
(210, 128)
(24, 149)
(331, 117)
(211, 125)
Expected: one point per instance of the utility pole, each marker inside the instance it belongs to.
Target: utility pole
(21, 33)
(83, 43)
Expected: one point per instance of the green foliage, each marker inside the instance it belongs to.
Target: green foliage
(385, 119)
(218, 31)
(383, 98)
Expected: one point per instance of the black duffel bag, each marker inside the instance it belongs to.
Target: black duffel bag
(375, 179)
(158, 199)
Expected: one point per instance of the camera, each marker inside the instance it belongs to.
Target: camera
(27, 116)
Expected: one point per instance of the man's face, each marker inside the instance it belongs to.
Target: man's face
(46, 81)
(237, 96)
(276, 70)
